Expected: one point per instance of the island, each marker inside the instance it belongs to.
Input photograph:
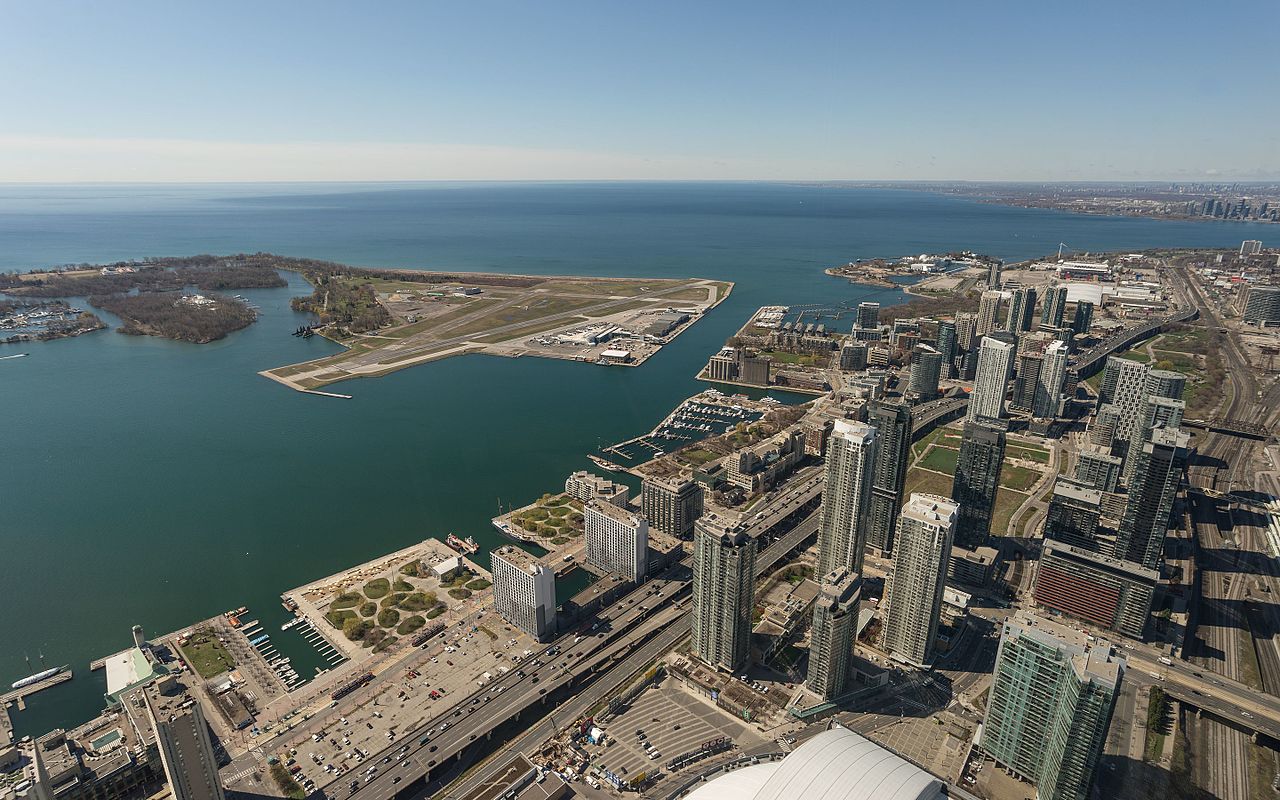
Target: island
(392, 319)
(389, 319)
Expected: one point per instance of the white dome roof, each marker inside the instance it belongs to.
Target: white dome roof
(834, 765)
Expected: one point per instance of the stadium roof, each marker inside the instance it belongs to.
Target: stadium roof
(837, 764)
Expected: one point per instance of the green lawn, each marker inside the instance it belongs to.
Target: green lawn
(805, 360)
(377, 588)
(206, 654)
(1018, 478)
(1182, 362)
(920, 480)
(1029, 452)
(1135, 355)
(1007, 501)
(941, 459)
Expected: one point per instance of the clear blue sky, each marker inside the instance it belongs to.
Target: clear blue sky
(298, 90)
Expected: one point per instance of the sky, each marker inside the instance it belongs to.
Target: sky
(287, 90)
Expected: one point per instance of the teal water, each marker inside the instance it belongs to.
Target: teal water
(155, 482)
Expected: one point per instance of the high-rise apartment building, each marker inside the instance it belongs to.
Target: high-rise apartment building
(1051, 700)
(617, 540)
(1023, 396)
(724, 558)
(1159, 412)
(1250, 247)
(671, 505)
(524, 591)
(1021, 311)
(834, 633)
(995, 364)
(1074, 514)
(966, 331)
(990, 307)
(977, 480)
(926, 371)
(1103, 427)
(1121, 371)
(587, 486)
(853, 356)
(1083, 319)
(892, 422)
(1098, 469)
(913, 594)
(1166, 383)
(1049, 383)
(947, 347)
(1150, 504)
(1054, 308)
(868, 315)
(184, 744)
(851, 457)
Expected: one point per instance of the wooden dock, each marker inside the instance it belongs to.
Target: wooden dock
(18, 695)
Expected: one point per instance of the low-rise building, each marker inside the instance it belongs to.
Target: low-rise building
(587, 486)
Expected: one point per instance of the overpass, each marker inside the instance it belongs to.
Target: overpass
(1234, 427)
(1095, 357)
(1235, 704)
(926, 415)
(647, 621)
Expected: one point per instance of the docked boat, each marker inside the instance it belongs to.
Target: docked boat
(39, 676)
(466, 546)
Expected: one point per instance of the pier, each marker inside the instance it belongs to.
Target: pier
(20, 695)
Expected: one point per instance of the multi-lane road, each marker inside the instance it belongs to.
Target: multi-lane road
(645, 624)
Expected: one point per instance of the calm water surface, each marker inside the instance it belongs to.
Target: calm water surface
(156, 482)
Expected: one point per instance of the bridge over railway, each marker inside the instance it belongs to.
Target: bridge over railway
(1234, 427)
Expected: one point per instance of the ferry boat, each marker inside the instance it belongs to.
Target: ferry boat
(467, 546)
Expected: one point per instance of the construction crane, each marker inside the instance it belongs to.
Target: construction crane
(1060, 246)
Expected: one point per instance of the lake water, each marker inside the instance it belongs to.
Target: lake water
(155, 482)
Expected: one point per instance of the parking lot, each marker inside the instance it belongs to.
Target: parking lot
(370, 720)
(674, 722)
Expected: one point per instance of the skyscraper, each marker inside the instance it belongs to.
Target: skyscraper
(1021, 311)
(1051, 700)
(1150, 504)
(977, 480)
(1097, 469)
(851, 457)
(1074, 514)
(1048, 396)
(892, 422)
(617, 540)
(184, 744)
(990, 306)
(868, 315)
(1158, 412)
(724, 559)
(913, 594)
(1054, 308)
(926, 370)
(1023, 396)
(1121, 372)
(834, 633)
(966, 330)
(947, 347)
(1083, 319)
(672, 504)
(524, 591)
(995, 363)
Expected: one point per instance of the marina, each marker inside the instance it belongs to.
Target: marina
(706, 414)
